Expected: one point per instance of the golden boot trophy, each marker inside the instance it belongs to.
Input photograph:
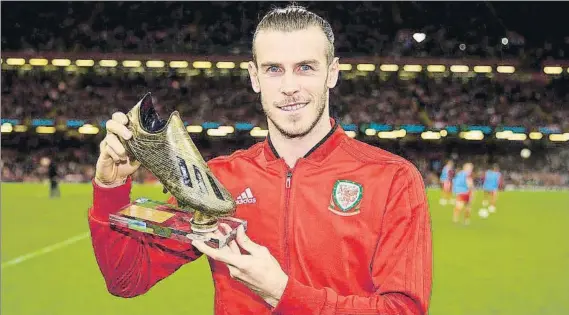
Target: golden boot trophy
(165, 148)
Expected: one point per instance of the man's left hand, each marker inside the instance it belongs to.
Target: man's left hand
(259, 270)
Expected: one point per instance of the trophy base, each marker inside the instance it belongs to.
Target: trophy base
(168, 221)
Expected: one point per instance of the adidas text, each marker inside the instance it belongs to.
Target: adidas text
(241, 201)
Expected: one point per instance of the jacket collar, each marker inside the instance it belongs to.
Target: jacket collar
(319, 152)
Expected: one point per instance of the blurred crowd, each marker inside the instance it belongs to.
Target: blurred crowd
(95, 97)
(76, 162)
(430, 101)
(548, 168)
(73, 165)
(475, 29)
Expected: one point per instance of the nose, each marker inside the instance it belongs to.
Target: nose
(289, 85)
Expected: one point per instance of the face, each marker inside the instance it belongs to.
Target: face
(468, 167)
(293, 76)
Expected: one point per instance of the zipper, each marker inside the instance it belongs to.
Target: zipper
(288, 179)
(286, 215)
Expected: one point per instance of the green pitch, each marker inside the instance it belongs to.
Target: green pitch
(514, 262)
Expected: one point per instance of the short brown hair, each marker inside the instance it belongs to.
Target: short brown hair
(294, 18)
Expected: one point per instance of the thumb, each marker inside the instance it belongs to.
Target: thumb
(245, 242)
(106, 174)
(106, 166)
(104, 156)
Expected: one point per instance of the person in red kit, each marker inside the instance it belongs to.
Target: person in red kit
(335, 226)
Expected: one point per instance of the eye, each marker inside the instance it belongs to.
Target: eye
(272, 69)
(305, 68)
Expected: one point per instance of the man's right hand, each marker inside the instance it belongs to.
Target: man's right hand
(114, 165)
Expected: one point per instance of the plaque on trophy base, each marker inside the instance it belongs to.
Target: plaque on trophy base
(168, 221)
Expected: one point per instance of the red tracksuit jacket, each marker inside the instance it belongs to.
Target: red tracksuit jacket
(349, 225)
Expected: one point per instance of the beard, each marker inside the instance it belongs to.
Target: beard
(298, 132)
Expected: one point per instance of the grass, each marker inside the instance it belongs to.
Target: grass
(514, 262)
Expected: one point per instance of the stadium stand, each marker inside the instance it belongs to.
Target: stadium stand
(530, 98)
(431, 101)
(378, 28)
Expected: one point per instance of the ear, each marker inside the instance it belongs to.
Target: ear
(333, 73)
(254, 76)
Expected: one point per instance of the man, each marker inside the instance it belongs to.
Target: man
(337, 226)
(53, 180)
(462, 186)
(446, 183)
(493, 181)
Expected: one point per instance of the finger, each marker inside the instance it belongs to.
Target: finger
(118, 129)
(227, 257)
(218, 234)
(120, 118)
(114, 143)
(108, 152)
(235, 273)
(241, 277)
(234, 247)
(103, 148)
(246, 243)
(114, 155)
(225, 228)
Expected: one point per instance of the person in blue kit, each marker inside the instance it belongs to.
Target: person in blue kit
(446, 183)
(493, 181)
(462, 187)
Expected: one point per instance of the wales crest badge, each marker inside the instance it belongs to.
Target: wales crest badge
(346, 198)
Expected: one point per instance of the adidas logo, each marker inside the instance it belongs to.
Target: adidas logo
(246, 197)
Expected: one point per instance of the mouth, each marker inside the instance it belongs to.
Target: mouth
(293, 107)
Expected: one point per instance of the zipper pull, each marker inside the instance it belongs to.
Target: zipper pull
(288, 177)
